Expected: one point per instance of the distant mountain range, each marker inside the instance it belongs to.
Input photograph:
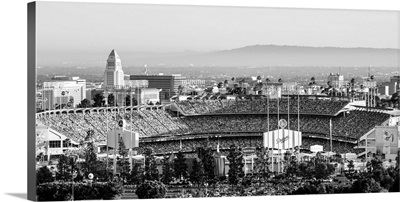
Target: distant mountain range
(257, 55)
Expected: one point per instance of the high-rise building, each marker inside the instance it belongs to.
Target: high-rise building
(113, 75)
(168, 84)
(337, 80)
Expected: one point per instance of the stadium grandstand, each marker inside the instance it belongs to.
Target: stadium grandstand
(186, 125)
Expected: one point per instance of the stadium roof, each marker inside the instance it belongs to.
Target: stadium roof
(394, 112)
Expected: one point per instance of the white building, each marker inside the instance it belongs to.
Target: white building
(52, 143)
(62, 92)
(113, 75)
(337, 80)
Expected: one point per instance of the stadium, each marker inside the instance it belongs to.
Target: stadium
(186, 125)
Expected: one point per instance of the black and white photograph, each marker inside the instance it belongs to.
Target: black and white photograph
(146, 101)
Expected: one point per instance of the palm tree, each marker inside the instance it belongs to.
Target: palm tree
(267, 80)
(220, 85)
(258, 88)
(312, 81)
(352, 82)
(235, 89)
(279, 80)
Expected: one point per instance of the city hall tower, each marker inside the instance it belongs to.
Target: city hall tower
(113, 75)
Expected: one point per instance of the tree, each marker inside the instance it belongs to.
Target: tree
(90, 165)
(64, 169)
(43, 175)
(262, 163)
(376, 162)
(323, 170)
(207, 162)
(365, 185)
(134, 101)
(167, 167)
(387, 182)
(236, 89)
(180, 90)
(111, 99)
(303, 171)
(128, 100)
(150, 166)
(98, 100)
(226, 83)
(151, 189)
(352, 81)
(351, 165)
(71, 102)
(103, 173)
(316, 167)
(258, 88)
(350, 172)
(180, 166)
(235, 158)
(313, 80)
(220, 84)
(85, 103)
(123, 162)
(292, 168)
(136, 176)
(313, 187)
(196, 175)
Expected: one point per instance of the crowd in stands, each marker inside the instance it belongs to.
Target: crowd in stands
(261, 106)
(145, 122)
(190, 146)
(351, 125)
(158, 122)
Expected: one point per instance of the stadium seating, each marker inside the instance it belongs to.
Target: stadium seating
(230, 117)
(261, 106)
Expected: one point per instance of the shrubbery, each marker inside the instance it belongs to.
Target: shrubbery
(62, 191)
(43, 175)
(151, 189)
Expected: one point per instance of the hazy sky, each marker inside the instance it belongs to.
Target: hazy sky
(86, 27)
